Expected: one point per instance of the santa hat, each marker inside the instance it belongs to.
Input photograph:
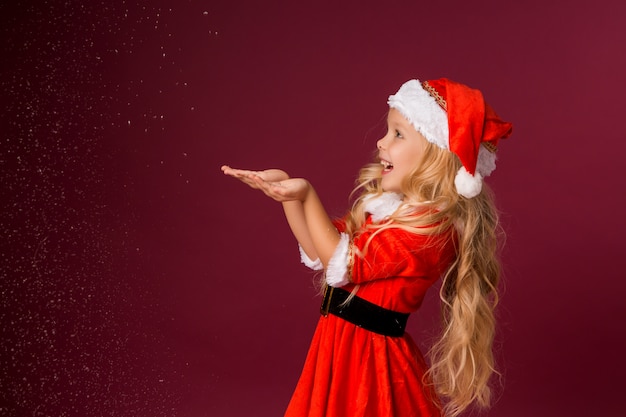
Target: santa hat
(456, 118)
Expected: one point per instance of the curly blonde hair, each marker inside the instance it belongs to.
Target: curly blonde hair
(462, 361)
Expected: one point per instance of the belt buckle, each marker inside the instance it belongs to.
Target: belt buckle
(328, 295)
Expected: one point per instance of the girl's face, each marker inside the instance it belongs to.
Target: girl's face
(399, 151)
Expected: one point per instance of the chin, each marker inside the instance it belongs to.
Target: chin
(387, 188)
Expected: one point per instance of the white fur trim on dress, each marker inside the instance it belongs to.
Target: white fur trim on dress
(337, 271)
(382, 206)
(315, 265)
(422, 111)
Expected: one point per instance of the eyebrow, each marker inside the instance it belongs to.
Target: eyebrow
(397, 123)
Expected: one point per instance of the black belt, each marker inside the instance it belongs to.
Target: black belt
(363, 313)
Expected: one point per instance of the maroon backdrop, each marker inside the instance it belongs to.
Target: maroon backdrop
(137, 280)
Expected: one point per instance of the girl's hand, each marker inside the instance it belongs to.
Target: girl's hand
(292, 189)
(245, 176)
(273, 182)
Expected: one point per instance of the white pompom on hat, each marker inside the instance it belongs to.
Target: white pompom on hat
(455, 117)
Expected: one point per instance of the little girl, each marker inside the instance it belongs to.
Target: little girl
(422, 214)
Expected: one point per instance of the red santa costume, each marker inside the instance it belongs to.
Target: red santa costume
(351, 371)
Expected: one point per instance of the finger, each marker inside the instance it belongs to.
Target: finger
(240, 174)
(236, 173)
(257, 181)
(262, 182)
(271, 189)
(243, 177)
(231, 171)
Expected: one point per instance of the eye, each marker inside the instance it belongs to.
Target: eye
(398, 134)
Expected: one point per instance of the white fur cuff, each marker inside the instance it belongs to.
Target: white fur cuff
(337, 271)
(315, 265)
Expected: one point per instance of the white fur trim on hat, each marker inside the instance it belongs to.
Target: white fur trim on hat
(486, 163)
(422, 111)
(337, 271)
(382, 206)
(315, 265)
(468, 185)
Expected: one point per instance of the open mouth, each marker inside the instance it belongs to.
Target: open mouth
(387, 166)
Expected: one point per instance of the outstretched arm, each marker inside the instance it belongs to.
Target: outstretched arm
(323, 232)
(294, 212)
(305, 213)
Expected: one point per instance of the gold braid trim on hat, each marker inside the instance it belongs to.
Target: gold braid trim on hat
(442, 103)
(434, 94)
(490, 147)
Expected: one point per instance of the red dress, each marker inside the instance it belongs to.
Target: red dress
(352, 372)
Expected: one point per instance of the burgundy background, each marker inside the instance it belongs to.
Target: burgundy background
(138, 281)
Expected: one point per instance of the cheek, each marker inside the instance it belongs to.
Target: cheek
(413, 156)
(407, 163)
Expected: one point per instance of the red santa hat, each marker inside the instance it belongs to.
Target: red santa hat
(455, 117)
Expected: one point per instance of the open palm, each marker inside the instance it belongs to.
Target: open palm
(274, 183)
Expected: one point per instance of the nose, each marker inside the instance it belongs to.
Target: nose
(381, 143)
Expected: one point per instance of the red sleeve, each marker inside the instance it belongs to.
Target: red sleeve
(398, 253)
(340, 224)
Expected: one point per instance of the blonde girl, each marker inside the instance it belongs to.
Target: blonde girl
(422, 214)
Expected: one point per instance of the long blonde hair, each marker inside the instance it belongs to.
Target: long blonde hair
(462, 360)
